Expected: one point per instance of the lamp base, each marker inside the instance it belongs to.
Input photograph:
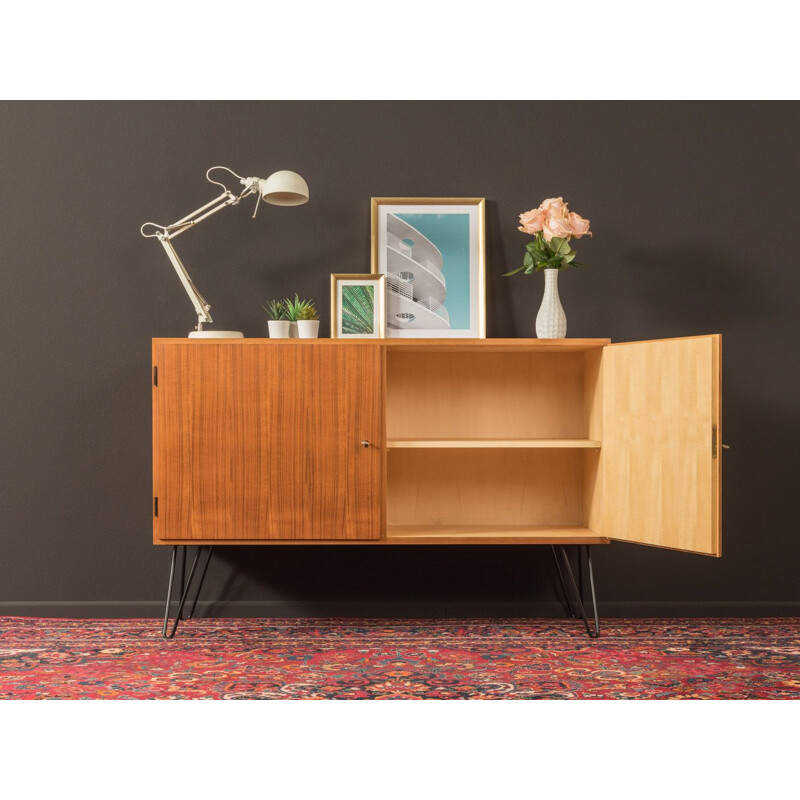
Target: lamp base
(216, 335)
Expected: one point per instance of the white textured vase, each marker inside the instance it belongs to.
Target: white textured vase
(551, 321)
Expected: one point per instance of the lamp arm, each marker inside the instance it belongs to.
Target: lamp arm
(165, 233)
(201, 307)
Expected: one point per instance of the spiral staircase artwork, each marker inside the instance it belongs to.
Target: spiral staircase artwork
(415, 284)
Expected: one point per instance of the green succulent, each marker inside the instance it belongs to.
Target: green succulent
(298, 309)
(276, 309)
(309, 312)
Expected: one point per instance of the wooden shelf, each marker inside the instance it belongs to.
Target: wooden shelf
(492, 443)
(492, 534)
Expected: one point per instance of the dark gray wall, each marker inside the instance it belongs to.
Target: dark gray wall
(695, 212)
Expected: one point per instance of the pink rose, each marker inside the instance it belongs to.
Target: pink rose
(531, 221)
(554, 219)
(554, 206)
(579, 225)
(557, 226)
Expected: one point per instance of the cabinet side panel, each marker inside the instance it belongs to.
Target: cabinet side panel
(592, 459)
(658, 471)
(156, 442)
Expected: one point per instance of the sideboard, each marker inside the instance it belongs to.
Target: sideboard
(436, 441)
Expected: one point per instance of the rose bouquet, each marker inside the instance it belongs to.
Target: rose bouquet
(553, 225)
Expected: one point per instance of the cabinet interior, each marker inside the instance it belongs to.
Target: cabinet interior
(492, 445)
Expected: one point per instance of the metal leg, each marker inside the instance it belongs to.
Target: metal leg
(593, 634)
(561, 581)
(200, 585)
(169, 589)
(182, 583)
(184, 589)
(591, 588)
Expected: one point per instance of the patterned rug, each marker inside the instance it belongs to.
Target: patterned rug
(396, 659)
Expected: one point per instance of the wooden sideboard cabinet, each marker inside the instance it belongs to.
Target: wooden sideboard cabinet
(437, 441)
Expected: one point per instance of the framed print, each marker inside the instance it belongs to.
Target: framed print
(358, 309)
(432, 252)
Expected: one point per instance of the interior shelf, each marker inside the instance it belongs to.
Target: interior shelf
(492, 534)
(526, 428)
(492, 443)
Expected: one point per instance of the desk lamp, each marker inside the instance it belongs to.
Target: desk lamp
(283, 188)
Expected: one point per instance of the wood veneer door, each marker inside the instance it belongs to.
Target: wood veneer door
(660, 471)
(264, 441)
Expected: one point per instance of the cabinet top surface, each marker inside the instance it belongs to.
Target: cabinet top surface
(562, 345)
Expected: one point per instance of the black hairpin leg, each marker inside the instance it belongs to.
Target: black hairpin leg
(200, 585)
(561, 581)
(185, 586)
(593, 633)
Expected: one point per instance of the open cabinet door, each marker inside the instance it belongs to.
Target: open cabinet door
(661, 452)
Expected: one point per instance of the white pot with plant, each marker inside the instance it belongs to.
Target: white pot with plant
(303, 318)
(278, 324)
(553, 225)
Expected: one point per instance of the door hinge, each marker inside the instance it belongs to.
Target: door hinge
(155, 376)
(155, 506)
(713, 441)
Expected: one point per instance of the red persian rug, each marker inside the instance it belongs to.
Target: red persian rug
(394, 659)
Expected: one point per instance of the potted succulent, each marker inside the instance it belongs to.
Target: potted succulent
(308, 324)
(303, 318)
(278, 323)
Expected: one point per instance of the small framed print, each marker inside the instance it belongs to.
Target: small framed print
(432, 252)
(358, 306)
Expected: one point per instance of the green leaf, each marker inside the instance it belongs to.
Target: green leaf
(358, 310)
(528, 260)
(559, 246)
(276, 309)
(299, 309)
(568, 257)
(513, 271)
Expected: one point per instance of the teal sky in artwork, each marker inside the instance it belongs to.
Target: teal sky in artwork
(450, 233)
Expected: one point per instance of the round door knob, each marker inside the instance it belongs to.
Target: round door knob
(365, 443)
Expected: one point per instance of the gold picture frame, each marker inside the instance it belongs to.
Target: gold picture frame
(407, 256)
(356, 321)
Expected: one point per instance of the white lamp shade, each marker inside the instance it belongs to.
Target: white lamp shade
(284, 188)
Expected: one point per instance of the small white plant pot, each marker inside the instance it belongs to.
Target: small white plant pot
(278, 328)
(308, 328)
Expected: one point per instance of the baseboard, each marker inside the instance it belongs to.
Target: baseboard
(120, 609)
